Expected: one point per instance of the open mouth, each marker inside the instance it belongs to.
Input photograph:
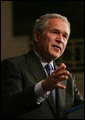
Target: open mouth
(56, 46)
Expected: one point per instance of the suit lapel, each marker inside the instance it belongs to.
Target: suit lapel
(35, 67)
(60, 93)
(39, 74)
(60, 97)
(51, 103)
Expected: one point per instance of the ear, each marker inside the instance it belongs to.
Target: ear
(36, 36)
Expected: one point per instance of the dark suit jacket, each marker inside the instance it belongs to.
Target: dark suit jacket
(18, 78)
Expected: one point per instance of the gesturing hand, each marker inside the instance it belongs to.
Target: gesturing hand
(55, 78)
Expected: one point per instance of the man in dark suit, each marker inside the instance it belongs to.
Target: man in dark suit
(29, 90)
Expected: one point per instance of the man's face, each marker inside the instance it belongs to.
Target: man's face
(53, 40)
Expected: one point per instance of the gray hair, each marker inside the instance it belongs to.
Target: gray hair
(40, 23)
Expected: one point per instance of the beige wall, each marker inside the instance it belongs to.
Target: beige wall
(10, 45)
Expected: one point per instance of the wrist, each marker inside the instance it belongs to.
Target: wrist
(43, 85)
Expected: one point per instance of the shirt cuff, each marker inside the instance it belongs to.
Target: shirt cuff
(41, 95)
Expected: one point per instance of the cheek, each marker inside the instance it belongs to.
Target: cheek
(47, 42)
(64, 45)
(44, 44)
(47, 45)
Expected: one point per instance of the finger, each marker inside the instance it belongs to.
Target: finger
(61, 68)
(61, 74)
(61, 86)
(63, 78)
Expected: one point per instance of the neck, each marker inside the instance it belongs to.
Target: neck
(44, 57)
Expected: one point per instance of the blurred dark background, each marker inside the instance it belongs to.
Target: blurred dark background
(17, 21)
(25, 13)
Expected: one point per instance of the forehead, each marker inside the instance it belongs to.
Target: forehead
(56, 23)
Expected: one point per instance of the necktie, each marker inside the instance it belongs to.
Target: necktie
(49, 71)
(49, 68)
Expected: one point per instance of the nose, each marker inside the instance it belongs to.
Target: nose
(59, 38)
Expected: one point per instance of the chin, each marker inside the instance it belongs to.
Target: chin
(56, 55)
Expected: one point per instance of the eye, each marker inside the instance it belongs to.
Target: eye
(65, 36)
(55, 32)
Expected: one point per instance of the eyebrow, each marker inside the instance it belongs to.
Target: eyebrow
(56, 30)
